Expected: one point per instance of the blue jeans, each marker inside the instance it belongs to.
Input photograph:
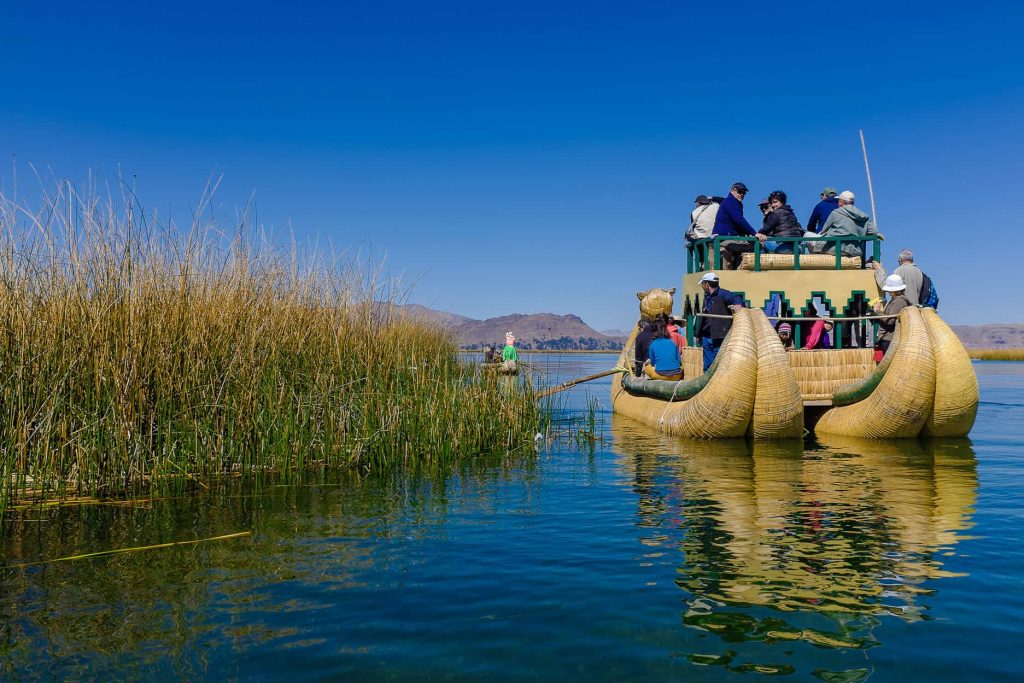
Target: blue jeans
(778, 247)
(710, 347)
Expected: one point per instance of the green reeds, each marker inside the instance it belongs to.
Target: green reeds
(996, 354)
(135, 355)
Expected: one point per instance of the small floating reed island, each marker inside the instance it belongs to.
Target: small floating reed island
(135, 355)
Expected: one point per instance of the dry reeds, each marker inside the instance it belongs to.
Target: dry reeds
(996, 354)
(133, 353)
(956, 386)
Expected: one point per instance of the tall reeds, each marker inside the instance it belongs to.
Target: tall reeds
(134, 353)
(996, 354)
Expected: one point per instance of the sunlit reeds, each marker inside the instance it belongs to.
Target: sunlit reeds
(996, 354)
(133, 353)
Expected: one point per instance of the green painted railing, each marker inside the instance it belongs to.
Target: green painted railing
(708, 251)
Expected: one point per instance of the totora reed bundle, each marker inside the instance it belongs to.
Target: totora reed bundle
(132, 353)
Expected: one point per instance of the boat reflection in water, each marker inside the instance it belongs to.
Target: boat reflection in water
(779, 543)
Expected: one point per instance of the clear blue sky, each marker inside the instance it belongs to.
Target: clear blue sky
(540, 156)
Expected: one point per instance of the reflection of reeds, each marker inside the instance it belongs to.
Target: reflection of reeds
(133, 354)
(996, 354)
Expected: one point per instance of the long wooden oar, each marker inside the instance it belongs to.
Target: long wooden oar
(573, 382)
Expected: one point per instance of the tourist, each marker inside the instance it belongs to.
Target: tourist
(822, 209)
(786, 336)
(908, 271)
(641, 344)
(489, 353)
(897, 291)
(509, 357)
(676, 332)
(730, 221)
(702, 222)
(765, 206)
(719, 302)
(820, 336)
(846, 221)
(780, 221)
(663, 355)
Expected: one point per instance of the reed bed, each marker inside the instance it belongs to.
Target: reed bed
(996, 354)
(135, 354)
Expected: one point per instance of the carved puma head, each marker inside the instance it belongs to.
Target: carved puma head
(655, 301)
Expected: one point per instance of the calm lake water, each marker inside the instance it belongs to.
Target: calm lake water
(644, 558)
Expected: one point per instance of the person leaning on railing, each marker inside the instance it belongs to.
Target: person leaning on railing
(730, 221)
(846, 221)
(780, 221)
(897, 290)
(712, 331)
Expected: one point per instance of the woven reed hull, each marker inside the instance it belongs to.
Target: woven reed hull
(721, 410)
(903, 400)
(956, 385)
(778, 405)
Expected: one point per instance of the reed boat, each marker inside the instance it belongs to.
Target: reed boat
(924, 386)
(499, 368)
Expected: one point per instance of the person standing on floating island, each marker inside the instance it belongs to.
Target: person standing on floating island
(712, 331)
(897, 302)
(509, 357)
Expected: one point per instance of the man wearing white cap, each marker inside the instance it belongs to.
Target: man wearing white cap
(897, 290)
(712, 331)
(846, 221)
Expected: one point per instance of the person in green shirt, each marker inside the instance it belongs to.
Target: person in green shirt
(509, 357)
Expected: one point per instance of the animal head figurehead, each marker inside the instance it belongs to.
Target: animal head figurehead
(655, 301)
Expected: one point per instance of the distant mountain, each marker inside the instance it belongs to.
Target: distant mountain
(620, 334)
(534, 332)
(992, 336)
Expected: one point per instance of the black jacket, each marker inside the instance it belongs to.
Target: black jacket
(718, 303)
(782, 222)
(641, 346)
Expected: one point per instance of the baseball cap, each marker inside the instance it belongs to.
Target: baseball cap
(709, 277)
(739, 187)
(828, 191)
(846, 196)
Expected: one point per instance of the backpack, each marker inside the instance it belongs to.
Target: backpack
(928, 296)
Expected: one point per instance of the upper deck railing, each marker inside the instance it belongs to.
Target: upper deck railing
(697, 252)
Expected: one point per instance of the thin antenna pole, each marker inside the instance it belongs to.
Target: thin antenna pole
(871, 190)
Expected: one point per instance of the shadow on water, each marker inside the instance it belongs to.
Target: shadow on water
(800, 543)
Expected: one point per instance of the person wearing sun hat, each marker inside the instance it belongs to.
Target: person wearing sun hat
(822, 209)
(897, 291)
(509, 357)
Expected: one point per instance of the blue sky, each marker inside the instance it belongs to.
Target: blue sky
(539, 157)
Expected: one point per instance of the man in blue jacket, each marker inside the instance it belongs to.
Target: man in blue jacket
(730, 221)
(822, 209)
(718, 302)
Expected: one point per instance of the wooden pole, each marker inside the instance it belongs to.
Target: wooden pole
(573, 382)
(867, 168)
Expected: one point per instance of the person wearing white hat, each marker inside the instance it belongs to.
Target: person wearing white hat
(846, 221)
(509, 357)
(897, 291)
(717, 301)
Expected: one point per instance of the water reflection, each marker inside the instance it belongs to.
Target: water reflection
(782, 544)
(164, 613)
